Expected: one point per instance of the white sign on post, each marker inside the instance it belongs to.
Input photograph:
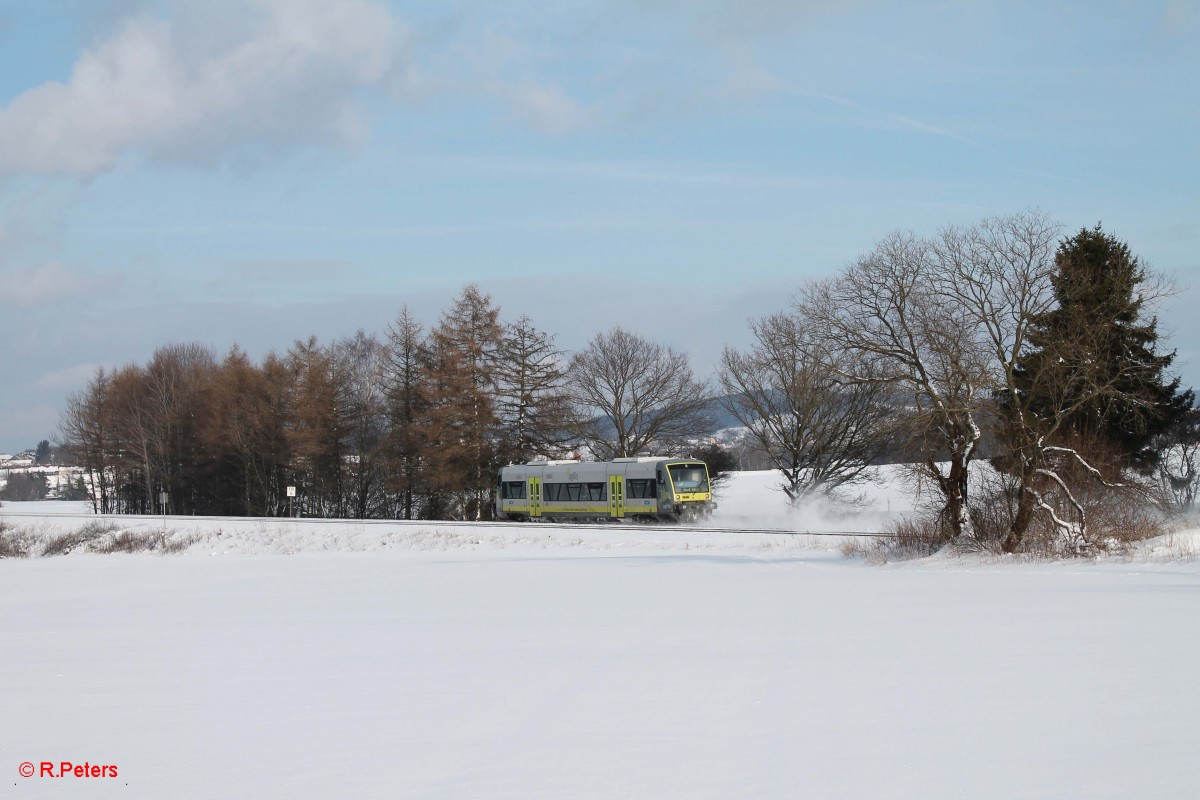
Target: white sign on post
(291, 490)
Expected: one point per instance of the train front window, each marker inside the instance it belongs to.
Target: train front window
(689, 477)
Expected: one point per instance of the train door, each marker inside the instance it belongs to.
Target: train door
(535, 497)
(616, 496)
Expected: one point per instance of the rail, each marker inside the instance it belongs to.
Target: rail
(625, 524)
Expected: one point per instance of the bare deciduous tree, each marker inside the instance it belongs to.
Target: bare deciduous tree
(88, 431)
(532, 405)
(408, 399)
(177, 379)
(363, 360)
(1179, 469)
(142, 431)
(317, 427)
(631, 394)
(820, 431)
(884, 311)
(460, 426)
(999, 272)
(247, 431)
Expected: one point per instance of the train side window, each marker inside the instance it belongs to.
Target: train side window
(640, 488)
(596, 491)
(512, 490)
(550, 491)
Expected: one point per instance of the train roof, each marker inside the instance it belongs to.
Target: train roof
(550, 462)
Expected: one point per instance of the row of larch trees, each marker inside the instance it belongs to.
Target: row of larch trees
(998, 341)
(412, 425)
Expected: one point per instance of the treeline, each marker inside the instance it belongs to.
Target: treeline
(411, 425)
(1001, 341)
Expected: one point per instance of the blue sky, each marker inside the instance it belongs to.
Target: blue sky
(258, 171)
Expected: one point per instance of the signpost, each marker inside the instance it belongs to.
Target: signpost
(291, 492)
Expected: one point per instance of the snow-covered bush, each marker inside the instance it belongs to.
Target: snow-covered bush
(64, 543)
(13, 542)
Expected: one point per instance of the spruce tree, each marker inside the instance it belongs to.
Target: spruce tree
(1095, 356)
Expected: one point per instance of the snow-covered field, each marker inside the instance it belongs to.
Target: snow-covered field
(534, 662)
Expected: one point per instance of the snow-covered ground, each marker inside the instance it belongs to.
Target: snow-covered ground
(533, 662)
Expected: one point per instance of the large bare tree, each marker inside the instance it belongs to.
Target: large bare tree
(819, 430)
(631, 394)
(999, 273)
(885, 312)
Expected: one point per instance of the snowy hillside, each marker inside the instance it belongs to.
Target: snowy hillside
(620, 662)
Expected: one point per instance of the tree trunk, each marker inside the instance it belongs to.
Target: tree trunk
(1024, 516)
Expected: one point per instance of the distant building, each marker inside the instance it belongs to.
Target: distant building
(59, 477)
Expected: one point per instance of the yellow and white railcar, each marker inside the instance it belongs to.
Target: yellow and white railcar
(645, 487)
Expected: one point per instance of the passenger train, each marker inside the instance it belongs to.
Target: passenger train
(644, 487)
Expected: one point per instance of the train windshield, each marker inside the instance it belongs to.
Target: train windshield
(689, 477)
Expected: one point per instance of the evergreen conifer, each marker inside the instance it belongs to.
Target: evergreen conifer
(1096, 356)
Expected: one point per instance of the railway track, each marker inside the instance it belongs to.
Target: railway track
(142, 520)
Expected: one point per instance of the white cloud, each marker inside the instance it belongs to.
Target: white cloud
(262, 74)
(504, 69)
(891, 120)
(48, 281)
